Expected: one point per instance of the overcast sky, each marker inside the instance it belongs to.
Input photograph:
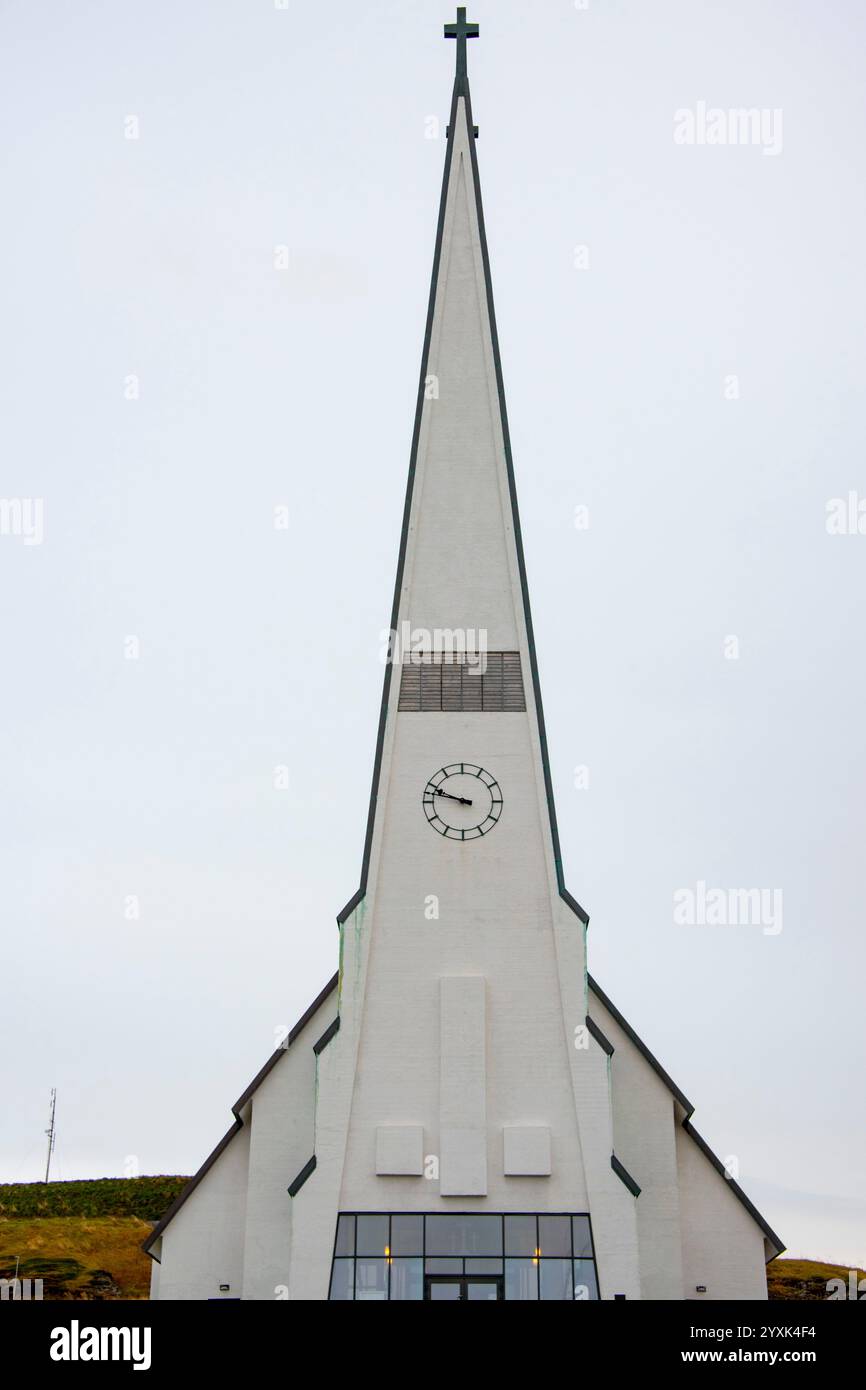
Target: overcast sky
(682, 342)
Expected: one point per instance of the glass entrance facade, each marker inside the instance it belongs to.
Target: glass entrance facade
(463, 1256)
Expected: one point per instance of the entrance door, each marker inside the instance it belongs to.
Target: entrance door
(457, 1288)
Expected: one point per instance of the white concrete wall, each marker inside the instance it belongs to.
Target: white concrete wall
(645, 1142)
(723, 1247)
(495, 923)
(235, 1228)
(203, 1245)
(282, 1139)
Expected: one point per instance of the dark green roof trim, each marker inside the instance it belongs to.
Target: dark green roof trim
(641, 1047)
(624, 1175)
(189, 1189)
(734, 1186)
(461, 89)
(296, 1185)
(281, 1050)
(689, 1109)
(238, 1106)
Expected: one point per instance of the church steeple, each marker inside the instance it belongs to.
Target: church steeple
(461, 1090)
(461, 565)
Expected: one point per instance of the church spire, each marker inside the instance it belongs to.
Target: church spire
(461, 565)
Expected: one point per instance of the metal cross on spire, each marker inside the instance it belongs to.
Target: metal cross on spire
(461, 31)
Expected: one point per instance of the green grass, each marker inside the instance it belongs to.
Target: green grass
(147, 1198)
(804, 1279)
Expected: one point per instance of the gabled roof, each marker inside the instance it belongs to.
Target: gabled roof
(687, 1107)
(237, 1110)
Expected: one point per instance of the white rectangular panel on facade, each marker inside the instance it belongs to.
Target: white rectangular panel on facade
(400, 1150)
(462, 1087)
(526, 1151)
(463, 1163)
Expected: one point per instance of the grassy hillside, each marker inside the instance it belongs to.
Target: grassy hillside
(78, 1257)
(804, 1279)
(83, 1239)
(146, 1198)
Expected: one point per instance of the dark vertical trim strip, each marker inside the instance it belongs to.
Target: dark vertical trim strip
(518, 538)
(407, 512)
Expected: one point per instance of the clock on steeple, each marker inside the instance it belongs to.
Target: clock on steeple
(462, 801)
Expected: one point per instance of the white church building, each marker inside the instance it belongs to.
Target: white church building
(462, 1113)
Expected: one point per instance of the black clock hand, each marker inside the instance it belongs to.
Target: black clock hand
(464, 800)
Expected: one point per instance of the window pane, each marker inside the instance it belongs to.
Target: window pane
(554, 1235)
(582, 1238)
(451, 1292)
(483, 1266)
(407, 1279)
(407, 1235)
(585, 1283)
(443, 1266)
(556, 1279)
(371, 1279)
(464, 1235)
(341, 1280)
(520, 1235)
(345, 1236)
(372, 1235)
(484, 1290)
(521, 1279)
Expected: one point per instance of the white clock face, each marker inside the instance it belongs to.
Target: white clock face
(462, 801)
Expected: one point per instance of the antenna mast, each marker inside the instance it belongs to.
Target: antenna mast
(50, 1131)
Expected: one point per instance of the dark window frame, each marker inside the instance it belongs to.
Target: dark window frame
(389, 1254)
